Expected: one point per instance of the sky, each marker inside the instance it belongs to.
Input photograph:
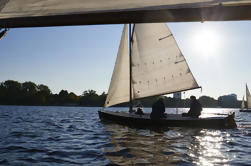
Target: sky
(78, 58)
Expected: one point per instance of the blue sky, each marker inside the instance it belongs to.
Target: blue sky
(78, 58)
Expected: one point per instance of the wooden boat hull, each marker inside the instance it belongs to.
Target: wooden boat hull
(246, 110)
(173, 120)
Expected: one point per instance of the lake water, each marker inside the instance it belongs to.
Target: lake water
(75, 136)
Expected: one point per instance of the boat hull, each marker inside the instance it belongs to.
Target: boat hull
(173, 120)
(246, 110)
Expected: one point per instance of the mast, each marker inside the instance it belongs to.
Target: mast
(246, 97)
(130, 67)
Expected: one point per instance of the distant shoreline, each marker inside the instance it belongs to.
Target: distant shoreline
(30, 94)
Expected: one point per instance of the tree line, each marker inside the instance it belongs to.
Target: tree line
(28, 93)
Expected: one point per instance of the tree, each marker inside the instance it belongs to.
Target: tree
(44, 89)
(29, 94)
(44, 95)
(12, 86)
(29, 88)
(2, 93)
(62, 97)
(12, 92)
(89, 93)
(89, 98)
(73, 98)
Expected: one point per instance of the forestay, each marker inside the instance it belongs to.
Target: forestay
(248, 97)
(158, 66)
(119, 86)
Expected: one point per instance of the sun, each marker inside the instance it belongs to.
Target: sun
(206, 41)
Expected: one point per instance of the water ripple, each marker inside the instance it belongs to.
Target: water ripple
(75, 136)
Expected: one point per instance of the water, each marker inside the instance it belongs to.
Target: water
(75, 136)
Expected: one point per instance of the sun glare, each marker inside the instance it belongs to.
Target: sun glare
(206, 41)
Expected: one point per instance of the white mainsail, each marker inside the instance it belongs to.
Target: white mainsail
(119, 87)
(242, 103)
(248, 97)
(158, 66)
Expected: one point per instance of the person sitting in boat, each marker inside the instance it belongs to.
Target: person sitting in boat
(139, 111)
(158, 109)
(195, 108)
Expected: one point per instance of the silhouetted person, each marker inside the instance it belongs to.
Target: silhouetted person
(158, 109)
(139, 111)
(195, 108)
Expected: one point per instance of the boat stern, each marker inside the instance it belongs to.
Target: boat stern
(230, 122)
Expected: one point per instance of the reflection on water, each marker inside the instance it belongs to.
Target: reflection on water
(75, 136)
(175, 146)
(131, 146)
(207, 148)
(178, 146)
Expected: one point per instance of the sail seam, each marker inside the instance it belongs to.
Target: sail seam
(165, 37)
(179, 61)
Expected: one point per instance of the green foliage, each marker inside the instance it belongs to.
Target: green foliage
(11, 92)
(91, 98)
(28, 93)
(44, 89)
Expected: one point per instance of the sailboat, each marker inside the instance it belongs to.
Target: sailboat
(152, 66)
(248, 96)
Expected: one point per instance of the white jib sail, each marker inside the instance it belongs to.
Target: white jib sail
(119, 86)
(248, 97)
(158, 66)
(242, 104)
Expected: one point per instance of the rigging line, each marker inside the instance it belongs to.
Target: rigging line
(133, 28)
(3, 33)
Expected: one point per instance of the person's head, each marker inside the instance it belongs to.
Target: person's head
(192, 98)
(161, 99)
